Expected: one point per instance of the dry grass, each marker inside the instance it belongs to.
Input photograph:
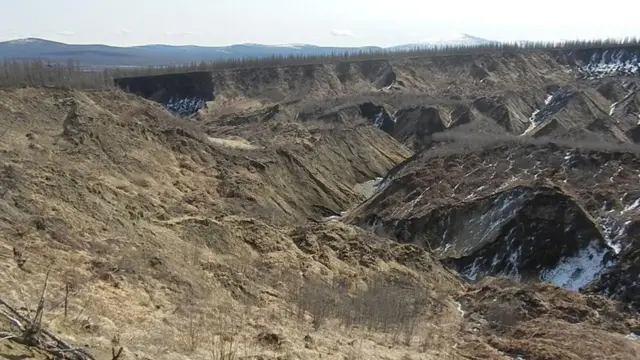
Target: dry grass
(234, 143)
(382, 306)
(139, 215)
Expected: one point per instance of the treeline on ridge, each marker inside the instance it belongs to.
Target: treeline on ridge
(15, 73)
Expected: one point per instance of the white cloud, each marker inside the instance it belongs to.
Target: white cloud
(341, 32)
(66, 33)
(125, 31)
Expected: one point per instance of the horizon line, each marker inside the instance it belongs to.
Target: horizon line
(293, 45)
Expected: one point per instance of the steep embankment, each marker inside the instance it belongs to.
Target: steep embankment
(518, 208)
(587, 93)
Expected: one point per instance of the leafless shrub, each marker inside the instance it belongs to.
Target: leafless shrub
(223, 348)
(32, 333)
(503, 316)
(317, 298)
(383, 306)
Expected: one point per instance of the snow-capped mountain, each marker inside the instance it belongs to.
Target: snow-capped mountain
(447, 40)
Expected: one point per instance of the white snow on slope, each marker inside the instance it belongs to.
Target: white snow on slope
(534, 121)
(611, 63)
(634, 206)
(24, 41)
(575, 272)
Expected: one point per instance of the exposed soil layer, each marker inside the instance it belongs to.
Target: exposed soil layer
(162, 88)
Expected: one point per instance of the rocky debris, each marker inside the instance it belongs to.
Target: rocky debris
(621, 281)
(634, 133)
(508, 113)
(378, 115)
(553, 104)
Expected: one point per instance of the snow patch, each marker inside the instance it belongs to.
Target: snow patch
(471, 272)
(617, 62)
(634, 206)
(548, 99)
(577, 271)
(612, 232)
(459, 308)
(532, 123)
(25, 41)
(332, 218)
(633, 336)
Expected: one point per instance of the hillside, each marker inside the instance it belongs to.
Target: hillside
(98, 55)
(469, 206)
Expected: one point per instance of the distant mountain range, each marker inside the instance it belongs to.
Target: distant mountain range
(452, 40)
(154, 55)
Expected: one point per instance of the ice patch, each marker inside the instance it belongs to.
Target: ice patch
(548, 99)
(577, 271)
(633, 336)
(332, 218)
(619, 62)
(459, 308)
(471, 271)
(532, 123)
(612, 231)
(634, 206)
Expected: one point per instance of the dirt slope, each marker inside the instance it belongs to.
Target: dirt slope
(245, 231)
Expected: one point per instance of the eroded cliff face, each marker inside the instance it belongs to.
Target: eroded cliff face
(183, 94)
(521, 233)
(523, 211)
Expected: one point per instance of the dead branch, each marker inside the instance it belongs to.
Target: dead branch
(33, 334)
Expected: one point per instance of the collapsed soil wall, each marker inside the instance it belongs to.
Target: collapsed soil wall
(183, 93)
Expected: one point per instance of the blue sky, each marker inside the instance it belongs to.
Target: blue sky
(326, 22)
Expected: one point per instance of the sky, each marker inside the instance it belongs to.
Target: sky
(326, 22)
